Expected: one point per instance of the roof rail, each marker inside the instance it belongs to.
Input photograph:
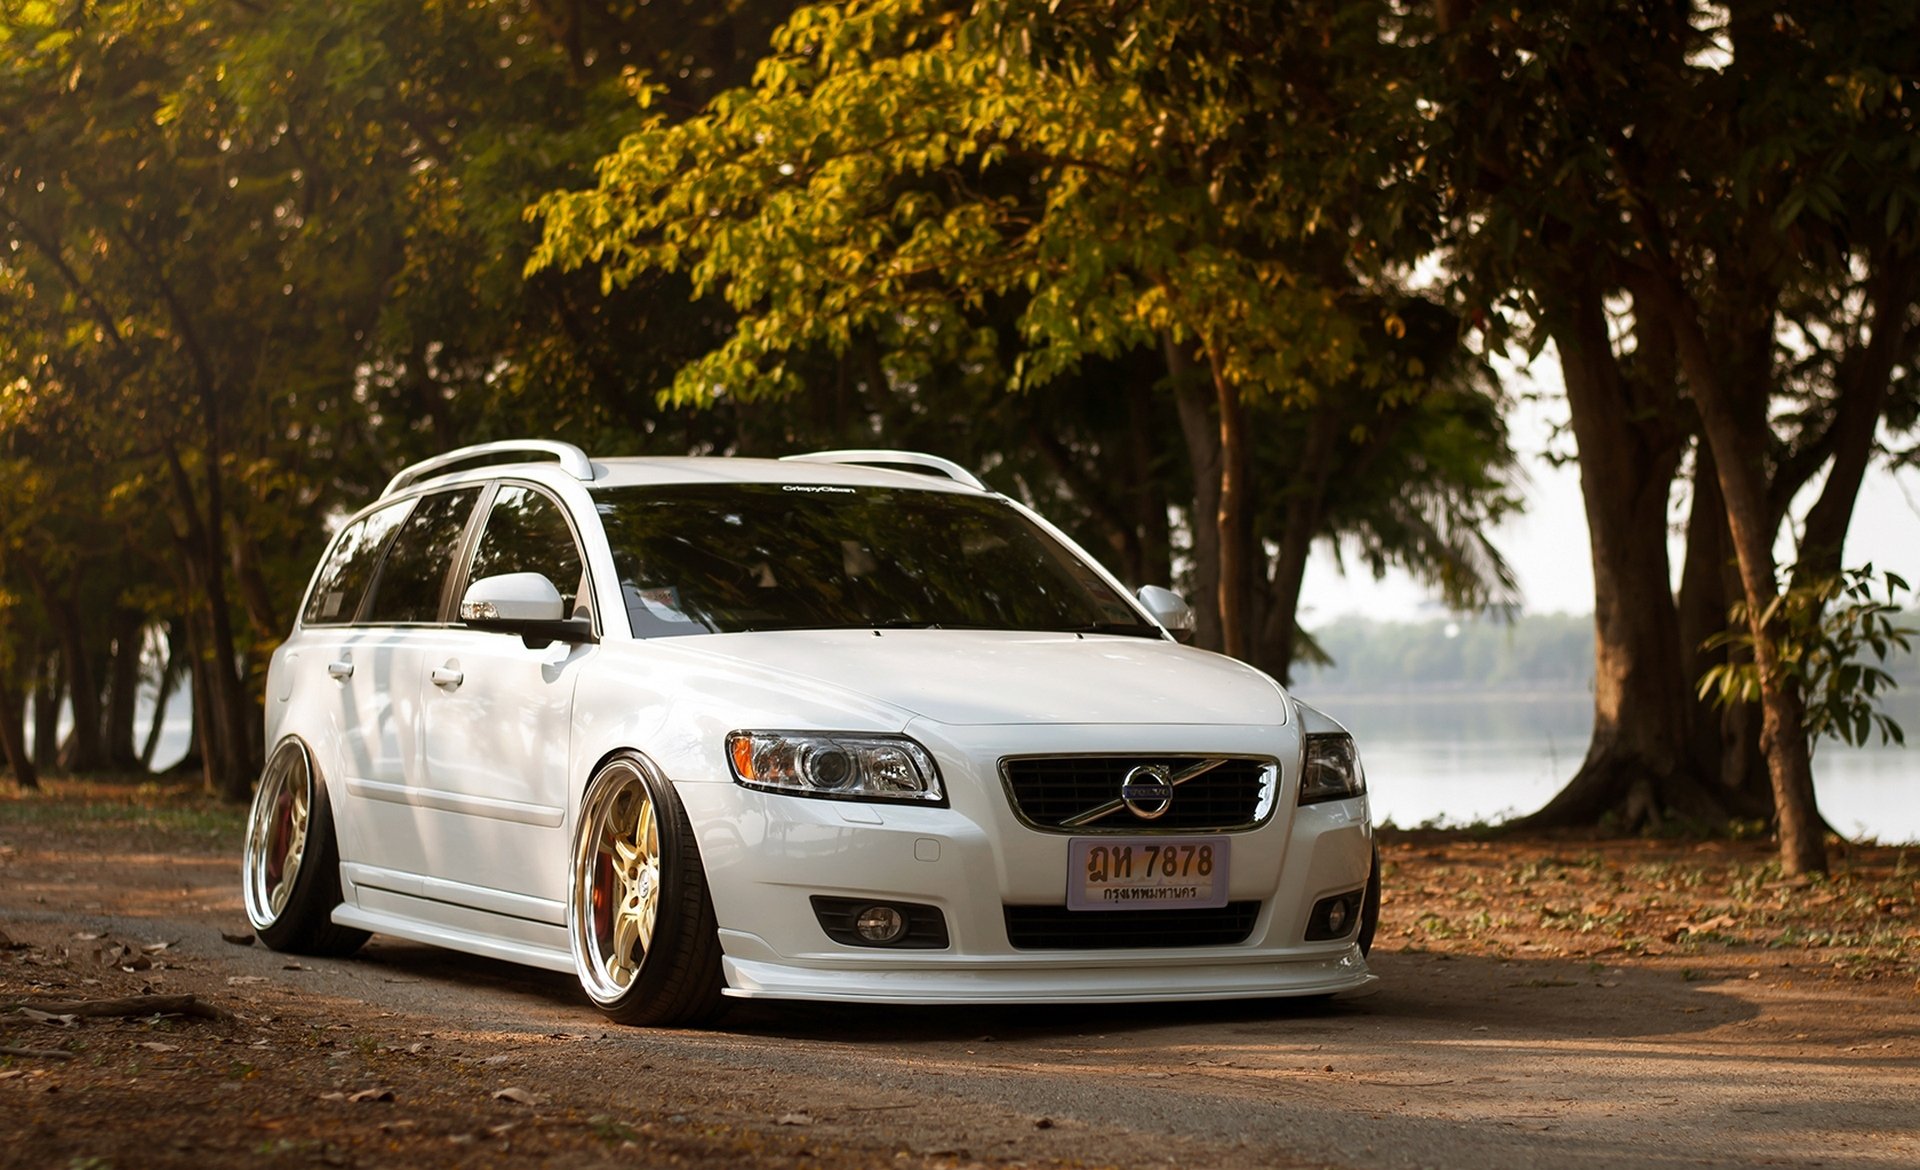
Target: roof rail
(572, 460)
(912, 460)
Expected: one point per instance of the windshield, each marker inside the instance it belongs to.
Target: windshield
(728, 558)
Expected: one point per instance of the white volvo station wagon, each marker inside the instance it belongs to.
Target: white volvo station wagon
(842, 726)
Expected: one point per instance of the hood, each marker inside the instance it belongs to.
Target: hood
(999, 677)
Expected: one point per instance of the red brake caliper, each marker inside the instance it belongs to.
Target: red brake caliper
(602, 902)
(280, 838)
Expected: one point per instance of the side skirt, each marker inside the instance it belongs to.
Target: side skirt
(459, 928)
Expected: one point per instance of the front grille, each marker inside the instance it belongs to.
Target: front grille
(1049, 791)
(1056, 928)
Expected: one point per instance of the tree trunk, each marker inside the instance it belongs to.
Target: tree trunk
(169, 677)
(83, 750)
(1637, 768)
(1724, 741)
(194, 759)
(1203, 455)
(262, 614)
(1740, 453)
(1302, 518)
(13, 735)
(49, 689)
(1233, 513)
(1149, 496)
(226, 741)
(123, 689)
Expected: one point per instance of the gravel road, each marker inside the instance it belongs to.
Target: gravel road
(1458, 1060)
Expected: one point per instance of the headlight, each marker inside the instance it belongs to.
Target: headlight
(835, 766)
(1332, 770)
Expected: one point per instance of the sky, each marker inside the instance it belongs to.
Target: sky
(1547, 543)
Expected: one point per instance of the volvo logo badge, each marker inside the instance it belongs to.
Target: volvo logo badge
(1147, 791)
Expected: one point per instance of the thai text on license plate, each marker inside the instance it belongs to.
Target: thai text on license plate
(1147, 873)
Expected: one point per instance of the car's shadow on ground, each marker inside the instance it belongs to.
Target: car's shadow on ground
(1450, 994)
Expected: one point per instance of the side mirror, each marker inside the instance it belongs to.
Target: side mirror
(1169, 609)
(526, 604)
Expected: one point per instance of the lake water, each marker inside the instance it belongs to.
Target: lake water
(1453, 759)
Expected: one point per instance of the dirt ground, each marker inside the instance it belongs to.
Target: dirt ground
(1567, 1003)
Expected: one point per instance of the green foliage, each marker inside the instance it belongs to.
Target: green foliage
(900, 166)
(1823, 631)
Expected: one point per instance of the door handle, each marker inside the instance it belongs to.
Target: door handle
(340, 670)
(447, 676)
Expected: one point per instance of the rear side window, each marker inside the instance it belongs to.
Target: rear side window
(415, 572)
(343, 579)
(527, 533)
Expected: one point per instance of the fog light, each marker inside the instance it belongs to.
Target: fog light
(880, 924)
(1333, 917)
(856, 922)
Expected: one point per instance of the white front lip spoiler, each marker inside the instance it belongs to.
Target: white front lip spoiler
(1127, 981)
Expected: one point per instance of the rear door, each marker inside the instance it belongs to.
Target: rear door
(378, 670)
(313, 690)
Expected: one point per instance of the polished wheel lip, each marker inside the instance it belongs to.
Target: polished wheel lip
(614, 906)
(279, 829)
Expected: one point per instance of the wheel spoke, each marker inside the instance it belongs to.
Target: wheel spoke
(627, 944)
(650, 836)
(647, 914)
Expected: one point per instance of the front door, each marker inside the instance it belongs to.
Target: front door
(498, 714)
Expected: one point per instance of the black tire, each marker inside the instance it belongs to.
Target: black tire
(639, 918)
(291, 872)
(1370, 906)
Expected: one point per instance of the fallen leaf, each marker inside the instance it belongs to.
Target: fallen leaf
(157, 1046)
(517, 1095)
(371, 1095)
(793, 1119)
(1044, 1123)
(333, 1096)
(156, 948)
(238, 940)
(291, 967)
(239, 980)
(40, 1017)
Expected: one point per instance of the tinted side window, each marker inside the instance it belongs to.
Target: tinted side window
(527, 533)
(342, 580)
(408, 589)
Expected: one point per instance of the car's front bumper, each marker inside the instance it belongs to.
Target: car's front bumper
(768, 855)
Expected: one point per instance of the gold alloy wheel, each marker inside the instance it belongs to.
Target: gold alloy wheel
(277, 833)
(616, 895)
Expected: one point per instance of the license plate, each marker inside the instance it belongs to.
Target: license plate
(1147, 873)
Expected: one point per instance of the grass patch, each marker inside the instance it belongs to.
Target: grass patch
(144, 809)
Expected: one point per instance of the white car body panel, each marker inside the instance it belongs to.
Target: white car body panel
(1014, 678)
(498, 726)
